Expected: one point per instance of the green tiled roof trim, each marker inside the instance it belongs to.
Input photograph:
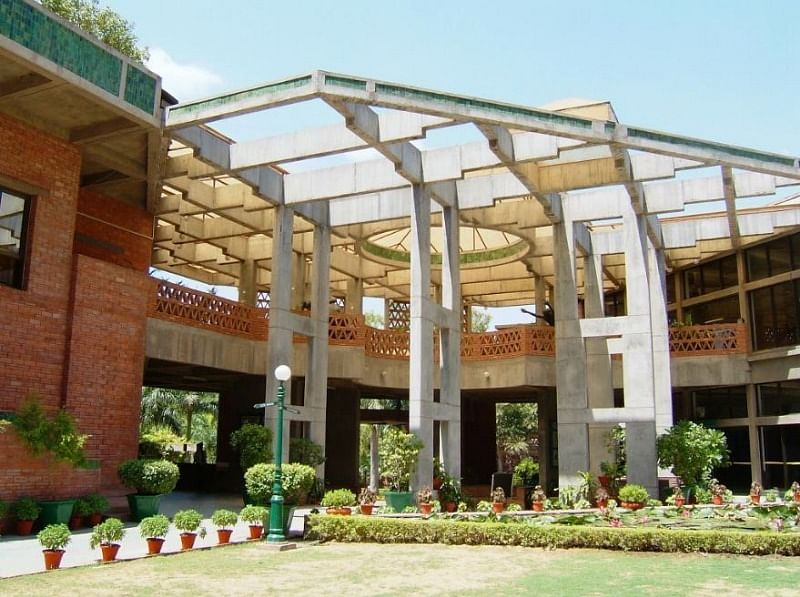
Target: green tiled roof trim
(468, 258)
(239, 96)
(140, 89)
(48, 37)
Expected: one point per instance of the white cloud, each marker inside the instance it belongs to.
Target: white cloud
(184, 81)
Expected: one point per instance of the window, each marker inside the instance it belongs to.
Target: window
(773, 258)
(724, 310)
(710, 277)
(14, 214)
(775, 315)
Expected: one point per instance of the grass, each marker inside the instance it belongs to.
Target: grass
(341, 569)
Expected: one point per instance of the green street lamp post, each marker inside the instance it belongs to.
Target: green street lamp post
(276, 532)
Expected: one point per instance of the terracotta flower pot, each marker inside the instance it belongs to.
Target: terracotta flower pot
(450, 506)
(75, 522)
(755, 499)
(94, 519)
(716, 500)
(224, 536)
(154, 545)
(366, 509)
(797, 496)
(498, 507)
(24, 527)
(426, 508)
(538, 506)
(632, 505)
(109, 551)
(437, 483)
(602, 503)
(187, 540)
(679, 502)
(256, 531)
(52, 558)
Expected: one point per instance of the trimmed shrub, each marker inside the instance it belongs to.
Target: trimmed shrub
(154, 526)
(366, 529)
(55, 536)
(187, 521)
(224, 519)
(339, 498)
(149, 477)
(108, 532)
(296, 480)
(254, 444)
(634, 493)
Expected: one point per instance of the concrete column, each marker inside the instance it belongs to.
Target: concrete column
(540, 292)
(299, 295)
(420, 388)
(659, 334)
(545, 408)
(752, 433)
(599, 386)
(744, 308)
(248, 291)
(316, 387)
(374, 459)
(571, 401)
(450, 345)
(354, 299)
(279, 344)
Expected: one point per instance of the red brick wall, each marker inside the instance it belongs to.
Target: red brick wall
(113, 231)
(89, 354)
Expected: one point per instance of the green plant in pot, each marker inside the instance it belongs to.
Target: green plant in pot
(366, 500)
(54, 538)
(449, 494)
(255, 517)
(96, 505)
(297, 480)
(692, 451)
(526, 475)
(79, 512)
(26, 511)
(151, 479)
(398, 454)
(339, 501)
(633, 496)
(224, 520)
(107, 535)
(425, 500)
(190, 524)
(538, 499)
(154, 529)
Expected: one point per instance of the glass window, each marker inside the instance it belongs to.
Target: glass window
(757, 264)
(670, 288)
(780, 256)
(775, 315)
(724, 310)
(14, 212)
(720, 403)
(777, 399)
(728, 272)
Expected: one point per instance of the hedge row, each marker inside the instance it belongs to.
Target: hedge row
(358, 529)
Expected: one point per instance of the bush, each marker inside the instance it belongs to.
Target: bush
(224, 519)
(26, 508)
(154, 526)
(526, 473)
(297, 480)
(692, 451)
(105, 533)
(157, 443)
(254, 514)
(96, 503)
(42, 434)
(339, 498)
(254, 444)
(304, 451)
(634, 493)
(187, 521)
(355, 529)
(81, 507)
(398, 455)
(149, 477)
(54, 536)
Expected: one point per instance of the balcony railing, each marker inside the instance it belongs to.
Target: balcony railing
(187, 306)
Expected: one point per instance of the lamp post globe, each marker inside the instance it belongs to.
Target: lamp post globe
(276, 532)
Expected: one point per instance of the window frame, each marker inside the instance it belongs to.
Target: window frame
(21, 270)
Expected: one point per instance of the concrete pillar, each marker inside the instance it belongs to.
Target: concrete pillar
(450, 345)
(571, 403)
(420, 388)
(279, 344)
(752, 433)
(316, 387)
(539, 293)
(659, 334)
(599, 386)
(374, 459)
(299, 295)
(354, 300)
(545, 409)
(248, 291)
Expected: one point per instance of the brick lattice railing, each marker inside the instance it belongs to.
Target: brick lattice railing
(187, 306)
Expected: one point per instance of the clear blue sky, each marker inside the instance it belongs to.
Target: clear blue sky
(721, 70)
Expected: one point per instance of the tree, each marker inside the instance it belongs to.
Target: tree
(517, 427)
(692, 451)
(481, 319)
(102, 22)
(175, 409)
(374, 319)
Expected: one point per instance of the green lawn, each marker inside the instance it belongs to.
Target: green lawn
(365, 569)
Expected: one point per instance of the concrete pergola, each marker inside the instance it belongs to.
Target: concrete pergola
(549, 203)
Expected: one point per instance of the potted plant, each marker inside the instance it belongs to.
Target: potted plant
(151, 479)
(366, 500)
(755, 492)
(633, 496)
(26, 510)
(296, 479)
(189, 522)
(96, 505)
(526, 475)
(54, 538)
(224, 520)
(498, 500)
(692, 451)
(338, 501)
(254, 516)
(601, 497)
(678, 499)
(538, 499)
(79, 511)
(449, 495)
(154, 529)
(438, 474)
(425, 500)
(718, 492)
(398, 454)
(107, 535)
(795, 489)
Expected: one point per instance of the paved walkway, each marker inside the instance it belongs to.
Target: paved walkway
(23, 555)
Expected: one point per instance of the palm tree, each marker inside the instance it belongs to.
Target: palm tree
(174, 409)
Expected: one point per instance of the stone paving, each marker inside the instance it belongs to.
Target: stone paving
(23, 555)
